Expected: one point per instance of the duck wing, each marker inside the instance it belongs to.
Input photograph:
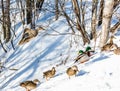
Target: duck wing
(79, 57)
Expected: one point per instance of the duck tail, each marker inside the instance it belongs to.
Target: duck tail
(75, 61)
(43, 75)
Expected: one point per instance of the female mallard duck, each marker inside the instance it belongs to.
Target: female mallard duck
(115, 49)
(107, 47)
(29, 85)
(49, 74)
(28, 34)
(84, 56)
(72, 71)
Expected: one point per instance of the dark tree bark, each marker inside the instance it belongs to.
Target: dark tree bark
(6, 20)
(100, 12)
(39, 5)
(56, 10)
(33, 15)
(115, 27)
(3, 19)
(28, 11)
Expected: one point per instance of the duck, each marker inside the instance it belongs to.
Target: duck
(84, 56)
(107, 47)
(30, 85)
(72, 71)
(49, 74)
(28, 34)
(115, 49)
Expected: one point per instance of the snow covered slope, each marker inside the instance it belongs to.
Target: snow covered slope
(29, 61)
(49, 49)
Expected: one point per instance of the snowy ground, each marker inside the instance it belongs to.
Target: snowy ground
(100, 73)
(48, 49)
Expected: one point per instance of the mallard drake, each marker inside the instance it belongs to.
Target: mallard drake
(115, 49)
(29, 85)
(49, 74)
(72, 71)
(107, 47)
(84, 55)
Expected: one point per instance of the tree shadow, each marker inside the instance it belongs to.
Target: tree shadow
(100, 58)
(34, 63)
(81, 73)
(23, 56)
(118, 33)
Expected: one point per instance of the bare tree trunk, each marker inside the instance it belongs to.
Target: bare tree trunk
(68, 19)
(6, 20)
(56, 10)
(94, 18)
(82, 14)
(3, 19)
(8, 23)
(79, 26)
(115, 27)
(22, 10)
(106, 19)
(100, 12)
(39, 5)
(33, 14)
(28, 11)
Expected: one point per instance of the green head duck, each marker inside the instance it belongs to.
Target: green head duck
(88, 48)
(81, 51)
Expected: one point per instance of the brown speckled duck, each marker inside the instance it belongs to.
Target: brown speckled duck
(72, 71)
(29, 85)
(115, 49)
(28, 34)
(107, 47)
(49, 74)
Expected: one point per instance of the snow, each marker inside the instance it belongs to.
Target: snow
(100, 73)
(49, 49)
